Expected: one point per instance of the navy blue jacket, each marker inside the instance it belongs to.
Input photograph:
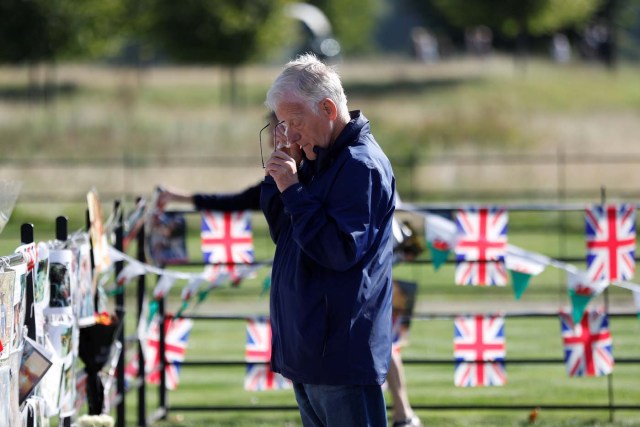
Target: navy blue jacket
(330, 304)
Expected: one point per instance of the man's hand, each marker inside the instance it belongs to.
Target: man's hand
(282, 167)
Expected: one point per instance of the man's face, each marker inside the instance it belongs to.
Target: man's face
(305, 127)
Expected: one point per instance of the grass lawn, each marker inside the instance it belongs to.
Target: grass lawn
(528, 385)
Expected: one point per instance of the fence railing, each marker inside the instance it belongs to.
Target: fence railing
(609, 394)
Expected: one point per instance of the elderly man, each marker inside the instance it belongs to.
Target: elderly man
(330, 218)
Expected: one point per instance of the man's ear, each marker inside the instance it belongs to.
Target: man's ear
(329, 108)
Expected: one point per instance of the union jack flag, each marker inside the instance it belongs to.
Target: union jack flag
(226, 238)
(176, 336)
(258, 353)
(611, 241)
(587, 345)
(481, 246)
(487, 273)
(479, 350)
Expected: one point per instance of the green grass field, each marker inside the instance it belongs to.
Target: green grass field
(528, 386)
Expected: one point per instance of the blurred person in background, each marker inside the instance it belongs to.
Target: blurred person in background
(407, 247)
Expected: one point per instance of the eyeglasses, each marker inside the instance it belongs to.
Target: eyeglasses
(274, 137)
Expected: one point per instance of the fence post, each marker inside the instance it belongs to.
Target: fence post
(163, 361)
(62, 235)
(142, 390)
(120, 315)
(26, 236)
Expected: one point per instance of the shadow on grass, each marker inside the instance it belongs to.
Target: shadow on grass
(37, 93)
(406, 87)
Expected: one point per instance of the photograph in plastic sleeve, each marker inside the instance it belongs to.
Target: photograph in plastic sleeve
(34, 365)
(50, 387)
(60, 331)
(67, 402)
(41, 288)
(108, 376)
(7, 282)
(85, 296)
(5, 399)
(19, 307)
(60, 265)
(15, 359)
(168, 239)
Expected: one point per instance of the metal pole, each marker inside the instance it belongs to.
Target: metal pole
(142, 390)
(120, 314)
(163, 360)
(62, 226)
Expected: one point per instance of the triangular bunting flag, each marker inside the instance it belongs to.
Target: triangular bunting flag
(441, 238)
(581, 291)
(131, 270)
(523, 265)
(439, 251)
(192, 288)
(520, 281)
(163, 287)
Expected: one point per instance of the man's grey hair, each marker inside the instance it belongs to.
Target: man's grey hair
(310, 81)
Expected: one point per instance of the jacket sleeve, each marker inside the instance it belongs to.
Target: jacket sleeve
(248, 199)
(337, 233)
(271, 204)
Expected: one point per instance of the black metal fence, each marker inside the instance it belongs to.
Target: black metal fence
(609, 394)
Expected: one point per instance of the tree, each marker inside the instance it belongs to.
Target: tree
(45, 30)
(228, 32)
(225, 32)
(352, 22)
(516, 18)
(513, 17)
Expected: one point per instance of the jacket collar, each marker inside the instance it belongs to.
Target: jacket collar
(326, 156)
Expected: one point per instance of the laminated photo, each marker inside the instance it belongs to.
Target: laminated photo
(19, 307)
(67, 401)
(35, 363)
(14, 403)
(60, 270)
(5, 389)
(84, 303)
(50, 384)
(59, 329)
(41, 290)
(7, 283)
